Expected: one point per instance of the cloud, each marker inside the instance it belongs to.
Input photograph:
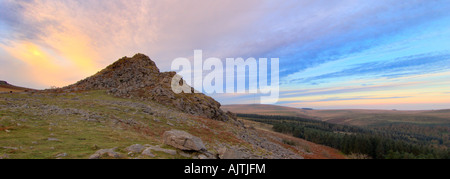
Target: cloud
(93, 34)
(392, 68)
(355, 98)
(325, 47)
(359, 28)
(293, 95)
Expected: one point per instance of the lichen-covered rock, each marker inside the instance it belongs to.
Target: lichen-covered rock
(183, 141)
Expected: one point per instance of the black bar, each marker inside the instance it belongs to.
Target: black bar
(272, 168)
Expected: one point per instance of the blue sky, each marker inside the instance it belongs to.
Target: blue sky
(371, 54)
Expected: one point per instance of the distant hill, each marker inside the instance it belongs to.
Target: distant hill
(264, 109)
(356, 117)
(5, 87)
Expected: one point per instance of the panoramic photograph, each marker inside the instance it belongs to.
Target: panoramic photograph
(224, 79)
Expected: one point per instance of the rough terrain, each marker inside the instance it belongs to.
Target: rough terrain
(128, 111)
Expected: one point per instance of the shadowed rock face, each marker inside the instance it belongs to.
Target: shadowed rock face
(139, 77)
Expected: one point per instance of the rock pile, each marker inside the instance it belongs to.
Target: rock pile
(139, 77)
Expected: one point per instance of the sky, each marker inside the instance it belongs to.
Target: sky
(334, 54)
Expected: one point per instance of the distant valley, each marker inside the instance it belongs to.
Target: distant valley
(357, 117)
(381, 134)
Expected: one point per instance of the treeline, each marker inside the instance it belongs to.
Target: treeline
(419, 134)
(376, 143)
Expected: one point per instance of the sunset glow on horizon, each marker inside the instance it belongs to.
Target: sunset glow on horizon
(377, 54)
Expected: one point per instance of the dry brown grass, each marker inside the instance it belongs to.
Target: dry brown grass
(3, 89)
(11, 88)
(305, 148)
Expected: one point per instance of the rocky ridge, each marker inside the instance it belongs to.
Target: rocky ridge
(139, 77)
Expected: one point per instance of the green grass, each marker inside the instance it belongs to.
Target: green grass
(26, 127)
(29, 133)
(76, 138)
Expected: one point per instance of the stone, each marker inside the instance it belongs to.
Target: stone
(159, 149)
(184, 154)
(92, 120)
(183, 141)
(109, 152)
(11, 148)
(226, 153)
(148, 152)
(53, 139)
(201, 156)
(136, 148)
(61, 155)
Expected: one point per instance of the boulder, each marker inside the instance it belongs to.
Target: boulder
(159, 149)
(148, 152)
(136, 148)
(183, 141)
(109, 152)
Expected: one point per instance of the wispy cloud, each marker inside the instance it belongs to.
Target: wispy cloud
(342, 90)
(398, 67)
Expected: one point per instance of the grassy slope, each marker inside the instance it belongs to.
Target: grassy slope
(265, 110)
(8, 88)
(307, 149)
(27, 121)
(28, 130)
